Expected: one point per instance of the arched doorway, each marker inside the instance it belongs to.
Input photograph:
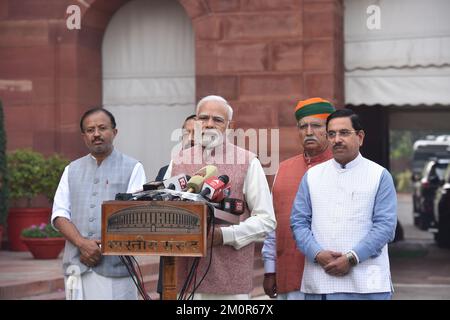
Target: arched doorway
(148, 72)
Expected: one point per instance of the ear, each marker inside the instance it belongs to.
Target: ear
(361, 135)
(231, 124)
(115, 132)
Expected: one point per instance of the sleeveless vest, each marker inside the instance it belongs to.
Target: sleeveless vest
(342, 204)
(89, 186)
(231, 270)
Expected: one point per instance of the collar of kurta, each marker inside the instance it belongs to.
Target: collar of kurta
(349, 165)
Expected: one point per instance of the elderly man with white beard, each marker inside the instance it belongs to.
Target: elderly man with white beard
(231, 271)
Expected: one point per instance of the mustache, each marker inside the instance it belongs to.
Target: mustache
(338, 145)
(97, 139)
(306, 139)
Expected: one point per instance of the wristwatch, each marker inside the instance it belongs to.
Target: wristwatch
(351, 259)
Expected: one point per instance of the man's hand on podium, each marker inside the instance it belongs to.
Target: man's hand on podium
(218, 239)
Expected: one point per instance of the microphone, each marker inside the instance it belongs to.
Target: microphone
(178, 183)
(196, 182)
(141, 195)
(153, 185)
(207, 171)
(233, 205)
(224, 193)
(123, 196)
(213, 187)
(163, 197)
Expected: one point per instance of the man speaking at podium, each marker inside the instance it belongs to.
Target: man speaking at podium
(230, 273)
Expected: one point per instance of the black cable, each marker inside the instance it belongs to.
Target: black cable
(188, 281)
(191, 296)
(140, 275)
(130, 268)
(122, 258)
(194, 267)
(192, 275)
(138, 278)
(211, 224)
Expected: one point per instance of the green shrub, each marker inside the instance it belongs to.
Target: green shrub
(41, 231)
(54, 167)
(403, 181)
(30, 174)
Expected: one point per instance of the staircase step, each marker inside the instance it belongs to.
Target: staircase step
(33, 288)
(58, 295)
(29, 287)
(43, 280)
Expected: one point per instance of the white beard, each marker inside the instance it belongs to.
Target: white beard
(212, 138)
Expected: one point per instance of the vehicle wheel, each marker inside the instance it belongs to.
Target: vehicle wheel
(399, 234)
(414, 204)
(416, 220)
(423, 223)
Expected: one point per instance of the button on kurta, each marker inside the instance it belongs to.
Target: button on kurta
(92, 206)
(96, 180)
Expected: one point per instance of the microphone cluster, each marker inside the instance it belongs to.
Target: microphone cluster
(206, 185)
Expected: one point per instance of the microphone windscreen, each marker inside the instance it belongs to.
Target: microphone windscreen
(224, 178)
(207, 171)
(195, 183)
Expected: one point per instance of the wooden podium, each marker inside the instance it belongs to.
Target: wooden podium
(161, 228)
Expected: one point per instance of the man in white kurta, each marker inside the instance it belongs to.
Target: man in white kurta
(85, 184)
(343, 217)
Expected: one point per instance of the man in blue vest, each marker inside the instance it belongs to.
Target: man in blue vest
(85, 184)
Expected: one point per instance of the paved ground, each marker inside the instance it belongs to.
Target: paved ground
(23, 276)
(420, 270)
(21, 267)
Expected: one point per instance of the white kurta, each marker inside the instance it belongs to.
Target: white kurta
(342, 203)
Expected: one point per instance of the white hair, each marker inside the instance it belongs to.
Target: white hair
(217, 99)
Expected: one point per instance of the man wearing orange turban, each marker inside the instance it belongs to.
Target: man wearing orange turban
(283, 262)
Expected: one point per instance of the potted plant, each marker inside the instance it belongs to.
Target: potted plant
(43, 241)
(33, 180)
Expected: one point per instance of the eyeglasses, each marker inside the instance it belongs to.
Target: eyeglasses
(217, 119)
(313, 126)
(91, 130)
(343, 133)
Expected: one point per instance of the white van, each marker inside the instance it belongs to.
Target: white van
(424, 150)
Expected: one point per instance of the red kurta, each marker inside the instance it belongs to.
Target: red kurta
(290, 261)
